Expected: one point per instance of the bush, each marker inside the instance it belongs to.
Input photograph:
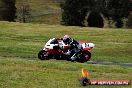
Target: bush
(95, 20)
(119, 23)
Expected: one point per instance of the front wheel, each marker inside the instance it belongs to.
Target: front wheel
(86, 55)
(43, 55)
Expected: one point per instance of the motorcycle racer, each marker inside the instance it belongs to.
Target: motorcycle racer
(74, 47)
(66, 48)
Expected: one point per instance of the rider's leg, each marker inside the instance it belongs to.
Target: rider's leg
(74, 57)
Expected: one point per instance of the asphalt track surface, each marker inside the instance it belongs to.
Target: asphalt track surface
(89, 62)
(110, 63)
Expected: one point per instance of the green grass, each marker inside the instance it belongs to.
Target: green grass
(25, 40)
(16, 73)
(18, 40)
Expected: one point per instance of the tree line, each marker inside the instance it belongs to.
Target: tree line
(77, 12)
(90, 13)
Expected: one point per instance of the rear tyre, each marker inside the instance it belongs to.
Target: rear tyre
(43, 55)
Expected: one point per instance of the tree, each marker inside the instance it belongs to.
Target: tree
(129, 22)
(116, 10)
(74, 12)
(7, 10)
(23, 11)
(95, 18)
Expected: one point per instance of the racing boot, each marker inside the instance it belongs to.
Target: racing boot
(73, 58)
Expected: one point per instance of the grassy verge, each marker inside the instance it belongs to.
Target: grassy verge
(25, 40)
(16, 73)
(42, 11)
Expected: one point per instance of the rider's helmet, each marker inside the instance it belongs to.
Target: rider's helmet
(66, 39)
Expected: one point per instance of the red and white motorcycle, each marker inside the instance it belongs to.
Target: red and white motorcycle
(56, 50)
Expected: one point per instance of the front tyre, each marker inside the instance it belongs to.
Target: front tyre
(43, 55)
(86, 55)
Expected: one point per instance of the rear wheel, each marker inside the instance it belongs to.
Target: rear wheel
(43, 55)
